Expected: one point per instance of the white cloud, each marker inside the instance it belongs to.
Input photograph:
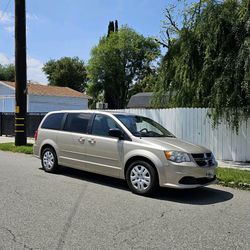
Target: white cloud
(6, 17)
(34, 71)
(30, 16)
(34, 68)
(4, 59)
(10, 29)
(7, 20)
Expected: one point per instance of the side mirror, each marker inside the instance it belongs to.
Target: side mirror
(116, 132)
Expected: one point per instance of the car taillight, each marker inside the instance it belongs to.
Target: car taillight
(36, 135)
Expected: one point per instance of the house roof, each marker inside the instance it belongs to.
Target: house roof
(141, 100)
(45, 90)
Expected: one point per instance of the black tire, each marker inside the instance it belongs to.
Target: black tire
(51, 166)
(149, 173)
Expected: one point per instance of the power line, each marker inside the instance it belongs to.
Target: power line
(5, 9)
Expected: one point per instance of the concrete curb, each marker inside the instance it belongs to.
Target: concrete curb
(234, 164)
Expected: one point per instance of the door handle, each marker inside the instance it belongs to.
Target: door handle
(92, 141)
(81, 140)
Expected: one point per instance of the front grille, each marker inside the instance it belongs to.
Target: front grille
(203, 160)
(188, 180)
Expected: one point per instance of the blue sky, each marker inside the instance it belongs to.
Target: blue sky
(72, 27)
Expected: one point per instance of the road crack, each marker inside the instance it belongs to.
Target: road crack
(135, 235)
(17, 193)
(126, 228)
(68, 223)
(14, 239)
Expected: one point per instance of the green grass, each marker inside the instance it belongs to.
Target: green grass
(234, 177)
(28, 149)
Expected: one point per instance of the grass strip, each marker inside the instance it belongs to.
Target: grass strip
(27, 149)
(235, 178)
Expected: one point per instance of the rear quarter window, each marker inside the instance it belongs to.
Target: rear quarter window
(53, 121)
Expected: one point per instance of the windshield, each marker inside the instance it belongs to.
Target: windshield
(143, 127)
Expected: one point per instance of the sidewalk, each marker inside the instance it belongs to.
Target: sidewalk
(234, 164)
(4, 139)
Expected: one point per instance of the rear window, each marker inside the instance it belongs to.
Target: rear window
(77, 122)
(53, 121)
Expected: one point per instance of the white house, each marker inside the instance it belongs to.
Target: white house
(42, 98)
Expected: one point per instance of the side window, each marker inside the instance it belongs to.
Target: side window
(102, 124)
(53, 121)
(77, 122)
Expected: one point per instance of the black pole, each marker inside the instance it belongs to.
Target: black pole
(21, 73)
(1, 124)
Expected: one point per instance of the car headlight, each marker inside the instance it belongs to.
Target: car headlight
(177, 157)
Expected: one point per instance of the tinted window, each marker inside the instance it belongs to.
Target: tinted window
(102, 124)
(77, 122)
(53, 121)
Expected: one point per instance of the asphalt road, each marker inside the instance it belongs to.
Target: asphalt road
(79, 210)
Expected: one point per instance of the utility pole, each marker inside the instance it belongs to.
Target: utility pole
(21, 73)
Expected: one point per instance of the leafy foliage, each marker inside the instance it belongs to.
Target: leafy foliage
(7, 72)
(66, 72)
(147, 84)
(117, 63)
(208, 61)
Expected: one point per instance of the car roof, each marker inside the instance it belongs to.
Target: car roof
(112, 112)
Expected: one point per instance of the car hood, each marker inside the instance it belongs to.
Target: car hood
(169, 143)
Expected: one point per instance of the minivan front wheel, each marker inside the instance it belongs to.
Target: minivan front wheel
(49, 160)
(141, 178)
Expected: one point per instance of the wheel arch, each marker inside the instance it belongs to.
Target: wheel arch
(140, 158)
(48, 145)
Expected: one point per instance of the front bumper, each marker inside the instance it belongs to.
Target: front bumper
(187, 175)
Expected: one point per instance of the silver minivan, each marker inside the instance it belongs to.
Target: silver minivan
(122, 145)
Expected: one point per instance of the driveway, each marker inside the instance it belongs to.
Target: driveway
(79, 210)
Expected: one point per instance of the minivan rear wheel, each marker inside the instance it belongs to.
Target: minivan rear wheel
(141, 178)
(49, 160)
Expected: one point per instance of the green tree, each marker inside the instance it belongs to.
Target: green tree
(7, 72)
(147, 84)
(117, 63)
(66, 72)
(112, 27)
(208, 61)
(116, 26)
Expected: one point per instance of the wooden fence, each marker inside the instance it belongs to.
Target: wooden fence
(195, 126)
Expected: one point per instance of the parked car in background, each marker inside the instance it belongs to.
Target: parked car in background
(125, 146)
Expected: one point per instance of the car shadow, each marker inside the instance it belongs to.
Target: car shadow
(198, 196)
(94, 178)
